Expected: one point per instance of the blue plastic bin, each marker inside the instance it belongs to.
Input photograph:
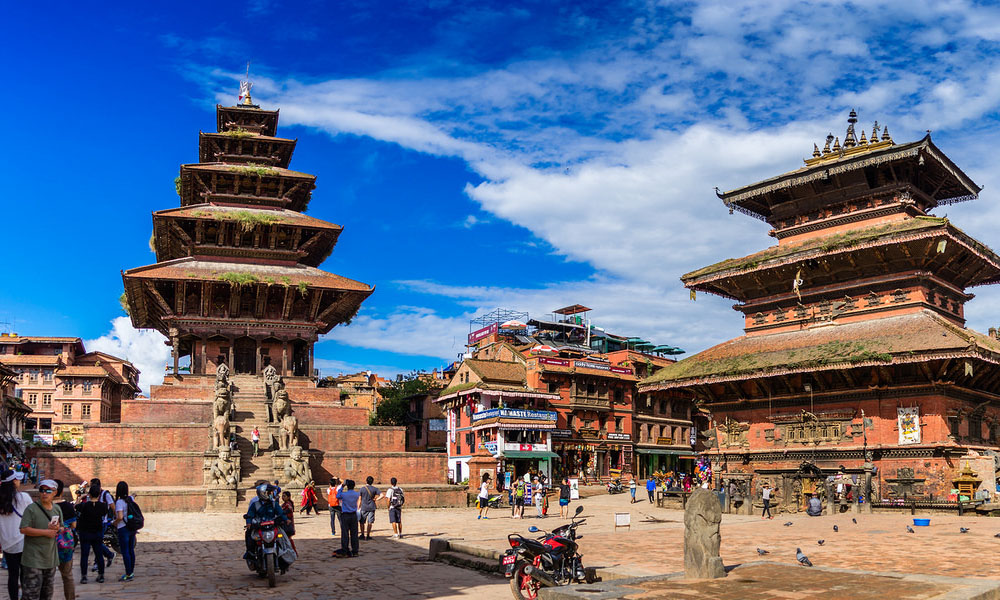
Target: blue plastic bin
(921, 522)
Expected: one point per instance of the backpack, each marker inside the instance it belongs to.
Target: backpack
(134, 520)
(397, 498)
(65, 543)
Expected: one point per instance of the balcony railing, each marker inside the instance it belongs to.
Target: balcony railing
(591, 402)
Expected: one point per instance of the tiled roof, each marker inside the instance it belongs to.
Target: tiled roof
(495, 371)
(29, 359)
(204, 270)
(22, 339)
(913, 337)
(82, 371)
(281, 216)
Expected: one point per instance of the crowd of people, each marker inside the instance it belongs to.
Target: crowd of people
(39, 537)
(519, 493)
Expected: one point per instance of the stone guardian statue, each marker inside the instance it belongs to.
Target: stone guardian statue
(701, 536)
(297, 472)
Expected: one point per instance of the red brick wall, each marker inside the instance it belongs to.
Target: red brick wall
(328, 414)
(341, 438)
(172, 469)
(166, 411)
(147, 437)
(407, 467)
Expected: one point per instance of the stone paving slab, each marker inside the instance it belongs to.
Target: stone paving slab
(767, 581)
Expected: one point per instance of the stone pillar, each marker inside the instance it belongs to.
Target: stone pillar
(257, 357)
(175, 351)
(702, 540)
(204, 353)
(231, 350)
(310, 372)
(284, 358)
(867, 488)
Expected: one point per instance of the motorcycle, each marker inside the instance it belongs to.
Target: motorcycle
(550, 561)
(264, 559)
(616, 487)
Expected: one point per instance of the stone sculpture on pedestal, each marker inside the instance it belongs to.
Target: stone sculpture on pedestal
(221, 408)
(223, 473)
(702, 517)
(271, 378)
(297, 473)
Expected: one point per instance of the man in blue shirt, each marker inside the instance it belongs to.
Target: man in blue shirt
(263, 508)
(650, 488)
(348, 519)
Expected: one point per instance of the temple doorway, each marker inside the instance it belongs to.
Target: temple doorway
(244, 356)
(300, 358)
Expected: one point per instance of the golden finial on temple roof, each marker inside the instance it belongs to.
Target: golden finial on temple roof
(816, 153)
(829, 140)
(863, 141)
(850, 140)
(875, 132)
(836, 144)
(885, 135)
(245, 89)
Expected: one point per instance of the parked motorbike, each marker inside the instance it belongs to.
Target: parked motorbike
(264, 558)
(495, 501)
(551, 560)
(615, 487)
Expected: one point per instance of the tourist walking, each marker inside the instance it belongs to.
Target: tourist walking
(126, 537)
(631, 488)
(650, 488)
(309, 498)
(109, 517)
(484, 496)
(369, 494)
(396, 500)
(12, 505)
(519, 499)
(765, 495)
(564, 498)
(255, 438)
(334, 504)
(40, 525)
(67, 536)
(90, 530)
(348, 519)
(539, 498)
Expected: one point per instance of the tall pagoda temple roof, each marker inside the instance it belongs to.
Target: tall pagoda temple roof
(190, 268)
(940, 179)
(915, 337)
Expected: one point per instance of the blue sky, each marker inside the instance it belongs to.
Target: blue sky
(524, 155)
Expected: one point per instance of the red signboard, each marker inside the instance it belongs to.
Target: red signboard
(479, 334)
(584, 364)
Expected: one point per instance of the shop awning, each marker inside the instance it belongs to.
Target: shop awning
(529, 454)
(683, 453)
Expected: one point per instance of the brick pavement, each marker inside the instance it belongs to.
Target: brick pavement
(193, 556)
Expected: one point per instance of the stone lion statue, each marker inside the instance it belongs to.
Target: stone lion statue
(297, 468)
(289, 436)
(224, 472)
(282, 406)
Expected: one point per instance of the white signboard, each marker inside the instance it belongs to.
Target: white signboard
(574, 489)
(909, 425)
(623, 519)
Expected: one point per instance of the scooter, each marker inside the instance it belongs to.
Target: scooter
(551, 560)
(615, 487)
(264, 559)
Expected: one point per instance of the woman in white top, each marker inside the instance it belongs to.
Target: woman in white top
(12, 505)
(484, 496)
(126, 537)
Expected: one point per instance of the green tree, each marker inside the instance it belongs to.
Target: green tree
(395, 406)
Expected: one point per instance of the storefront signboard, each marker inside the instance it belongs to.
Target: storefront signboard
(479, 334)
(664, 441)
(562, 433)
(514, 413)
(526, 447)
(491, 447)
(574, 489)
(584, 364)
(620, 436)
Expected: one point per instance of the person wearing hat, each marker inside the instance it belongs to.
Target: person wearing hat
(765, 495)
(40, 558)
(12, 505)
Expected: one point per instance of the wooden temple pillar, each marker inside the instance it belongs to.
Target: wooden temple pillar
(310, 372)
(257, 357)
(204, 356)
(284, 358)
(232, 342)
(175, 350)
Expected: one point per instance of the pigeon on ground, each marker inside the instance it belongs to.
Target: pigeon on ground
(855, 521)
(963, 530)
(996, 535)
(835, 529)
(788, 524)
(909, 529)
(820, 542)
(763, 552)
(802, 558)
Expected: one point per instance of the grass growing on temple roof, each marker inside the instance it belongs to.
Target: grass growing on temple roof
(123, 301)
(303, 287)
(177, 184)
(239, 279)
(258, 170)
(239, 132)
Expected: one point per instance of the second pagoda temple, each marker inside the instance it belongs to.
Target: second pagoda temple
(236, 278)
(855, 364)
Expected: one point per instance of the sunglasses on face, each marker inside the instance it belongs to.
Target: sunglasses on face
(45, 491)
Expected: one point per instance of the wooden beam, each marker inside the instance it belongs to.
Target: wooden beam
(846, 373)
(179, 296)
(157, 298)
(314, 300)
(286, 305)
(206, 298)
(180, 232)
(926, 370)
(261, 302)
(944, 368)
(334, 304)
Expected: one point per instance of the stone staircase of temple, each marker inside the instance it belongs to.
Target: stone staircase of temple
(251, 410)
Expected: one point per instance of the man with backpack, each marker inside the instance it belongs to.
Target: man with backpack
(366, 511)
(396, 500)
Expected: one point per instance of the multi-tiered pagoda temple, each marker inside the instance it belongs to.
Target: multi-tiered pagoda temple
(855, 356)
(235, 280)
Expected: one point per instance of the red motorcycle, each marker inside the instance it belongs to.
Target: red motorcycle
(551, 560)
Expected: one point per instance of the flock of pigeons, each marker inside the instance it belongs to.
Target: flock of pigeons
(804, 560)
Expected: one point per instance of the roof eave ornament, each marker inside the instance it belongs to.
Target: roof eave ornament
(245, 86)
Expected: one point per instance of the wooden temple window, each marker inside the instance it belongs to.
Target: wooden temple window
(900, 296)
(800, 312)
(759, 319)
(850, 303)
(779, 315)
(872, 299)
(975, 427)
(953, 424)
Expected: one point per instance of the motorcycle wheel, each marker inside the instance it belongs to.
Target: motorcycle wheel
(269, 563)
(522, 586)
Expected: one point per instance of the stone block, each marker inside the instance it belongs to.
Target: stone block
(437, 546)
(701, 536)
(220, 500)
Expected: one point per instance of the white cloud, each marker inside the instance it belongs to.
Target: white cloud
(414, 331)
(144, 348)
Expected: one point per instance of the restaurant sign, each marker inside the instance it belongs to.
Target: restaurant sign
(584, 364)
(479, 334)
(620, 436)
(514, 413)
